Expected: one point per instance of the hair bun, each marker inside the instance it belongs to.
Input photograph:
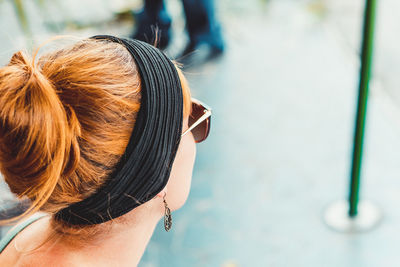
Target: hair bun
(36, 137)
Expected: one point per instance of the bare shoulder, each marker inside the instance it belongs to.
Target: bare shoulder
(15, 252)
(64, 261)
(8, 258)
(40, 259)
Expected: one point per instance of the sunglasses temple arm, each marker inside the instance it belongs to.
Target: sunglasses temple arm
(200, 120)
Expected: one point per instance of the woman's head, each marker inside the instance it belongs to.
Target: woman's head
(66, 120)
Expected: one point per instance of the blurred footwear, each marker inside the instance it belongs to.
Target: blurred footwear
(153, 35)
(195, 54)
(156, 32)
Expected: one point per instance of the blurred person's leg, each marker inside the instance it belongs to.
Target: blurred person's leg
(154, 17)
(202, 26)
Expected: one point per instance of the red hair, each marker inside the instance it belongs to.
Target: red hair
(65, 121)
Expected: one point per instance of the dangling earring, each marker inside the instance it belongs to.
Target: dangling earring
(167, 216)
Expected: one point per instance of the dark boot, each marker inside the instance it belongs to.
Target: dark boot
(153, 24)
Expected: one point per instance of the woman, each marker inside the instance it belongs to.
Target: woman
(100, 137)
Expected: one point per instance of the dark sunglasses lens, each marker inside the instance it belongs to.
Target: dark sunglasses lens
(200, 132)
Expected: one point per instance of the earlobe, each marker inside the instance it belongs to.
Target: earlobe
(163, 193)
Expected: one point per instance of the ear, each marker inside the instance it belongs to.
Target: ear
(162, 193)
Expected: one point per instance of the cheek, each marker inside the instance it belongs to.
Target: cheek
(178, 185)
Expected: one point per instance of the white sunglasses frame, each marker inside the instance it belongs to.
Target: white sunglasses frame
(206, 115)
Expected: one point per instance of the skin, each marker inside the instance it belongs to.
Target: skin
(125, 242)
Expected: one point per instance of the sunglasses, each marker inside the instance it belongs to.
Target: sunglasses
(199, 121)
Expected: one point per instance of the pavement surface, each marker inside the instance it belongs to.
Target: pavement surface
(279, 151)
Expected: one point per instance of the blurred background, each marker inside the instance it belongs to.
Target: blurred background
(284, 94)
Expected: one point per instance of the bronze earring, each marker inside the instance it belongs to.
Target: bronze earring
(167, 216)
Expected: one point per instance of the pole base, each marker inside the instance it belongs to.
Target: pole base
(337, 217)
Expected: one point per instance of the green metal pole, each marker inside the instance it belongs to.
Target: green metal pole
(366, 62)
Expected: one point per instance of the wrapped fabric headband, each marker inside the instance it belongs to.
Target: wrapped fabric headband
(144, 169)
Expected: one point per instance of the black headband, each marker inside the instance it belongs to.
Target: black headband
(144, 169)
